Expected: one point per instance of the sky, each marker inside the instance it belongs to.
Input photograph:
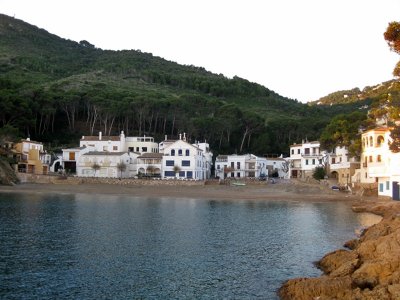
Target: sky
(301, 49)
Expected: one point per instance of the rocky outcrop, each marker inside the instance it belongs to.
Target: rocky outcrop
(7, 174)
(370, 269)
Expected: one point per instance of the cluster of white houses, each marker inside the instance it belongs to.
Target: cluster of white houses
(121, 156)
(378, 165)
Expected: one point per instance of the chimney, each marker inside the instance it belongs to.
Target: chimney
(184, 136)
(122, 136)
(180, 136)
(165, 138)
(100, 135)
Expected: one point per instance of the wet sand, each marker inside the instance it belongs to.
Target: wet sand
(281, 191)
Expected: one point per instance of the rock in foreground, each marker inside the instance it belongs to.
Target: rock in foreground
(370, 270)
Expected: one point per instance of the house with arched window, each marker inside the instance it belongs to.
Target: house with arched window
(378, 164)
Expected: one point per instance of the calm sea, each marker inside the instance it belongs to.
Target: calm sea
(105, 247)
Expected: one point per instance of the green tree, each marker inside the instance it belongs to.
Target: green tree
(344, 130)
(394, 145)
(95, 167)
(121, 166)
(392, 36)
(319, 173)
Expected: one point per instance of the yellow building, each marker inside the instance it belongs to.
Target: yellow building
(31, 158)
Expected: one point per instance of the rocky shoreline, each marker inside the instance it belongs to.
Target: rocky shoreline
(368, 269)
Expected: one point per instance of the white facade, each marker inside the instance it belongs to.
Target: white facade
(240, 166)
(375, 156)
(185, 161)
(141, 145)
(304, 158)
(278, 166)
(108, 163)
(150, 164)
(342, 166)
(102, 143)
(378, 163)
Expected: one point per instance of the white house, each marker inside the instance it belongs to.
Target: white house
(304, 158)
(278, 166)
(185, 161)
(150, 164)
(70, 156)
(378, 163)
(141, 145)
(240, 166)
(104, 143)
(341, 166)
(110, 164)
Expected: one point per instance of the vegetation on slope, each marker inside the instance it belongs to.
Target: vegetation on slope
(56, 90)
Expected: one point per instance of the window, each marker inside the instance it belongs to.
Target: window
(306, 162)
(189, 174)
(298, 151)
(381, 187)
(115, 148)
(292, 151)
(187, 152)
(180, 152)
(169, 163)
(185, 163)
(169, 174)
(379, 158)
(144, 149)
(72, 156)
(370, 159)
(333, 160)
(218, 167)
(232, 174)
(380, 140)
(371, 141)
(137, 149)
(181, 173)
(313, 161)
(238, 174)
(173, 152)
(130, 149)
(387, 185)
(232, 164)
(238, 165)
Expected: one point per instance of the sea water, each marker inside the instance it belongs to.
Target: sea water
(112, 247)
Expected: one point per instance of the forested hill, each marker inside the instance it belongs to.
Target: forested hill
(56, 90)
(365, 96)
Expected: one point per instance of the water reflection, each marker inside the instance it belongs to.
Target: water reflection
(85, 246)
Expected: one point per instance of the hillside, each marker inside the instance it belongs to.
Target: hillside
(57, 90)
(363, 97)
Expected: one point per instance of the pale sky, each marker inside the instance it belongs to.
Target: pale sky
(301, 49)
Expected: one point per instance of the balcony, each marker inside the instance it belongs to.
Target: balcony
(378, 169)
(311, 155)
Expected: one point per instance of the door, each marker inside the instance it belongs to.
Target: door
(395, 189)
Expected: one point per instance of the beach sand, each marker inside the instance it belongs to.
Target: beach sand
(287, 191)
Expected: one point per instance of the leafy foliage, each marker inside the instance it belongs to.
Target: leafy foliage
(344, 130)
(394, 145)
(319, 173)
(56, 90)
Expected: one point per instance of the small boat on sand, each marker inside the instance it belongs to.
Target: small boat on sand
(238, 183)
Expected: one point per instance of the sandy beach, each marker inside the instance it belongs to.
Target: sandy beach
(287, 191)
